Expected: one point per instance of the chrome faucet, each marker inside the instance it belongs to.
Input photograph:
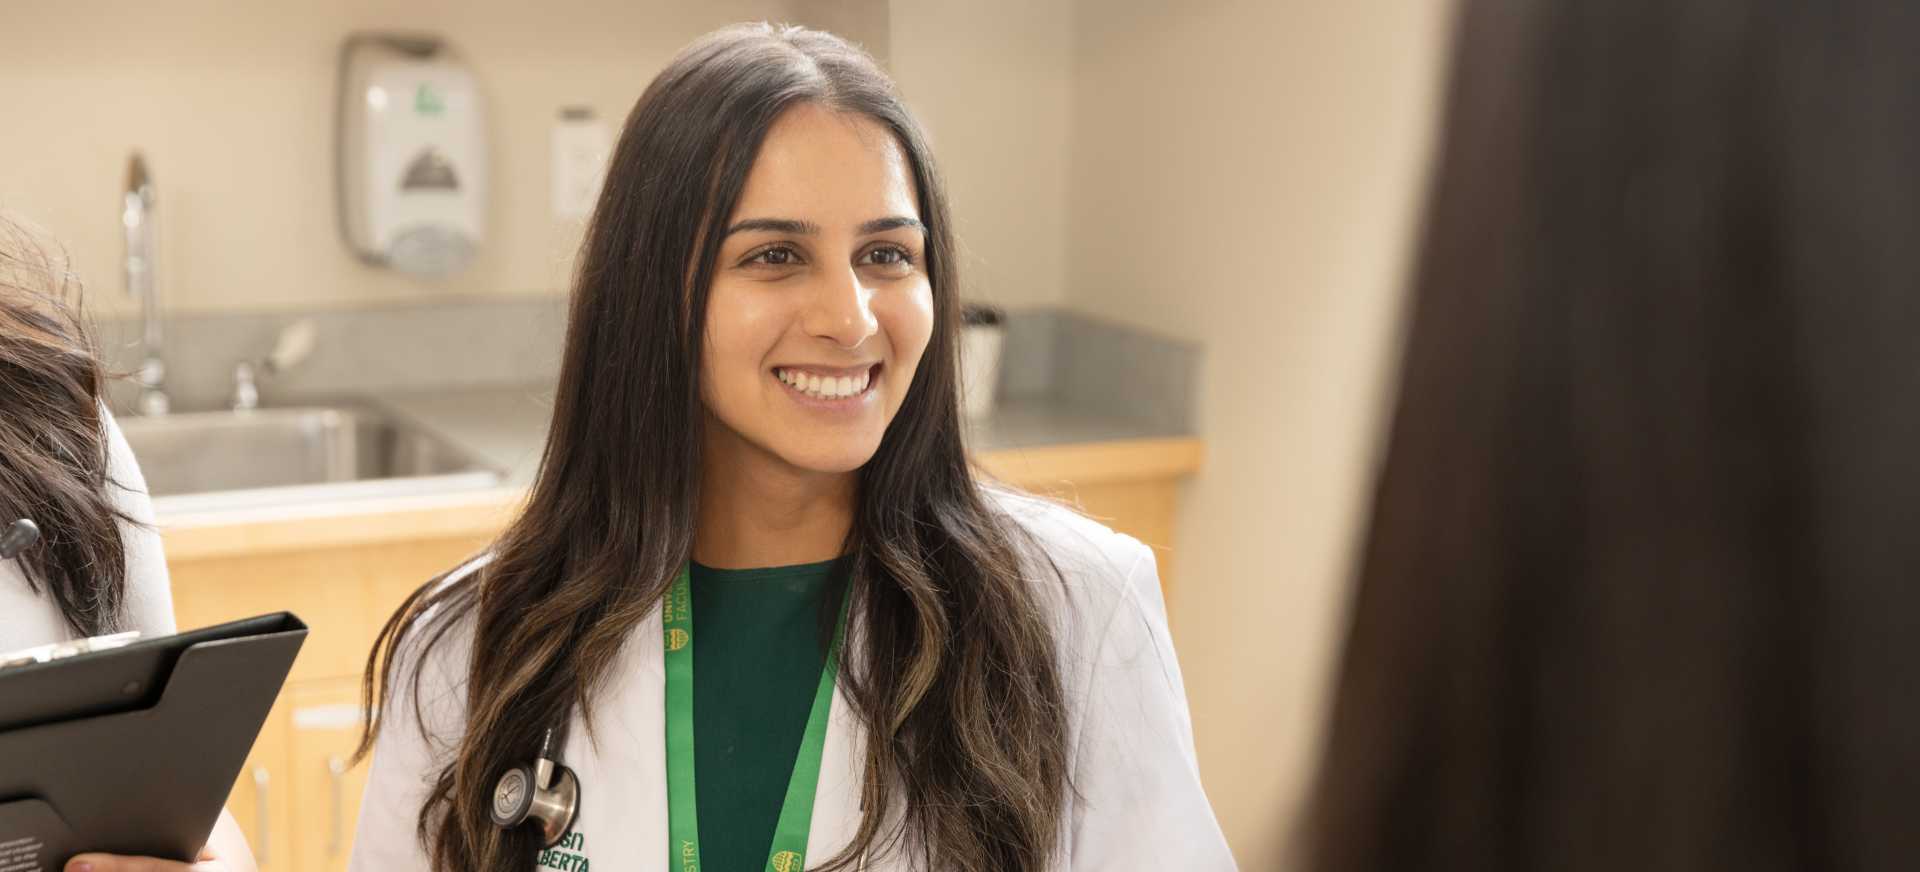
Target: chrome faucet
(290, 346)
(136, 215)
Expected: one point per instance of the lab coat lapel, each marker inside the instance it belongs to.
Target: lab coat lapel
(649, 707)
(622, 763)
(836, 800)
(651, 726)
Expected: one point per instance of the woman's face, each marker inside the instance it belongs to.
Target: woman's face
(820, 306)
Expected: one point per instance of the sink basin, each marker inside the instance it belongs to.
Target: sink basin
(284, 456)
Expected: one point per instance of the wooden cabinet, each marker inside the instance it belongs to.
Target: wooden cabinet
(1132, 486)
(297, 799)
(343, 593)
(323, 790)
(259, 801)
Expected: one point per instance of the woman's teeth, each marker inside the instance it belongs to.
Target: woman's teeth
(824, 387)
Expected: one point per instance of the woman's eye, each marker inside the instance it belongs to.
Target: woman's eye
(778, 255)
(890, 255)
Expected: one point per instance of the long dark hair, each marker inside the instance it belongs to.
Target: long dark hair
(954, 677)
(1640, 585)
(53, 445)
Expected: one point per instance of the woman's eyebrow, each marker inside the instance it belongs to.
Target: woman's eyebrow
(892, 222)
(808, 228)
(776, 225)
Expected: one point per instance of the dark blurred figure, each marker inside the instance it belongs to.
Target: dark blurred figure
(1642, 587)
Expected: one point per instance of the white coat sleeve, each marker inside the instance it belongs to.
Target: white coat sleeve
(409, 751)
(149, 598)
(1142, 806)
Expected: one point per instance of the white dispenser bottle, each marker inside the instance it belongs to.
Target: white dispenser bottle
(412, 155)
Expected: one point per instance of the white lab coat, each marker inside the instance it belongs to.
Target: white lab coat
(1140, 803)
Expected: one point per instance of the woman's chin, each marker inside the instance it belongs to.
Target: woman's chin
(833, 459)
(829, 464)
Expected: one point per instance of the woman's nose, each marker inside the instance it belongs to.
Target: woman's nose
(842, 310)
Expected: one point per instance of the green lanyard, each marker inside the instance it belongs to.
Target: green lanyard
(789, 850)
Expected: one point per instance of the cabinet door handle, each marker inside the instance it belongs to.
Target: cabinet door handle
(260, 833)
(336, 773)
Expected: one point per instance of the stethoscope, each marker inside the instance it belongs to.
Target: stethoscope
(546, 792)
(19, 536)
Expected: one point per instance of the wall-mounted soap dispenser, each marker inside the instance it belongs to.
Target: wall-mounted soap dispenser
(412, 154)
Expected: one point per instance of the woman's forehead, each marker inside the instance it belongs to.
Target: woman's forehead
(833, 169)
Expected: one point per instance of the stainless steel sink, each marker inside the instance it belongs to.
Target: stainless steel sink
(217, 460)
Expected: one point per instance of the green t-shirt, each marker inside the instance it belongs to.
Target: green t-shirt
(762, 640)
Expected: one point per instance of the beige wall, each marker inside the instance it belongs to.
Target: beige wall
(992, 81)
(232, 103)
(1246, 174)
(863, 22)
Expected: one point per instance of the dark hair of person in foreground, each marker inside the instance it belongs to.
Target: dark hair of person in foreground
(1642, 584)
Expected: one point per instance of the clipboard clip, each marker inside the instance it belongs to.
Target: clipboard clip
(58, 650)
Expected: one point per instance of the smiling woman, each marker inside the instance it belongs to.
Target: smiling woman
(757, 422)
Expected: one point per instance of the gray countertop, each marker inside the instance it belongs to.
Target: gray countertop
(506, 427)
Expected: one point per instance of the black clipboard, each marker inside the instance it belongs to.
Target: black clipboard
(133, 750)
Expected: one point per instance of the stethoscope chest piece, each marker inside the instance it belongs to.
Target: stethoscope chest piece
(545, 792)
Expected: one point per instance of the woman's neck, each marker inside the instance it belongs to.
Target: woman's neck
(757, 510)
